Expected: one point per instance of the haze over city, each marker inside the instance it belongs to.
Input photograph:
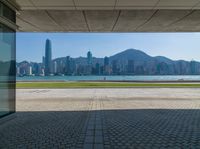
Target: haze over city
(175, 46)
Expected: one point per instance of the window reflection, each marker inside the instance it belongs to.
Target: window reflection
(7, 70)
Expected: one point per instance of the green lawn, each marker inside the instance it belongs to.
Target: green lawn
(100, 85)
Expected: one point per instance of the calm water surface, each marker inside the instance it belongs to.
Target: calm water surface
(112, 78)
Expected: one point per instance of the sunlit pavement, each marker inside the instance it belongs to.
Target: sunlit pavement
(104, 118)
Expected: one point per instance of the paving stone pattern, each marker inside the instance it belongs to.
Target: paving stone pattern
(100, 122)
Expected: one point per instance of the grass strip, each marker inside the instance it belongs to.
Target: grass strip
(23, 85)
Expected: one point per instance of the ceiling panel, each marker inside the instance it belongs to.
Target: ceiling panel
(133, 7)
(197, 6)
(26, 27)
(109, 21)
(108, 4)
(95, 8)
(129, 20)
(53, 2)
(101, 20)
(73, 20)
(46, 4)
(177, 3)
(189, 23)
(24, 2)
(40, 19)
(54, 8)
(173, 8)
(88, 3)
(128, 3)
(162, 19)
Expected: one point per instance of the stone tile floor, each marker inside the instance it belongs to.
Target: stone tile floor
(99, 122)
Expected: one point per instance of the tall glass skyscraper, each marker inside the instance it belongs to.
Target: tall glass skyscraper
(89, 58)
(48, 58)
(106, 61)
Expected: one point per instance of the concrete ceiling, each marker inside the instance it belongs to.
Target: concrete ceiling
(107, 4)
(109, 15)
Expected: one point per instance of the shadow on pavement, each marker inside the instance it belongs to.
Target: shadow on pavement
(131, 128)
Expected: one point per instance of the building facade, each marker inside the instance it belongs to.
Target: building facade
(89, 58)
(48, 58)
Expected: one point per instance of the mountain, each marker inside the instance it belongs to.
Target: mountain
(131, 54)
(137, 55)
(145, 64)
(163, 59)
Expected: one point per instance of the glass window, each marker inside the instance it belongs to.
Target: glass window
(7, 70)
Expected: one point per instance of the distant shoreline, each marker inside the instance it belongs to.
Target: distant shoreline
(124, 78)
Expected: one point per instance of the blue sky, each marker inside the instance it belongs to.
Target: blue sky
(31, 46)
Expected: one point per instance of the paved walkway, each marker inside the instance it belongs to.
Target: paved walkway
(102, 121)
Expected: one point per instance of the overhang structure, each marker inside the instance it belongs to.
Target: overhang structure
(108, 15)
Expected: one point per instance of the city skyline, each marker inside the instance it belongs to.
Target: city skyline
(171, 45)
(127, 62)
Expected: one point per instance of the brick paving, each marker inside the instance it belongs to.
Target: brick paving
(102, 122)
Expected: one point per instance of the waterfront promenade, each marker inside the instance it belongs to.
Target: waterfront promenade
(130, 118)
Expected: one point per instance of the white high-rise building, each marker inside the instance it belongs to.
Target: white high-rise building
(55, 67)
(29, 71)
(42, 72)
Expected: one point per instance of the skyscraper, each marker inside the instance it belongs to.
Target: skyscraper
(48, 58)
(106, 61)
(97, 69)
(106, 66)
(68, 65)
(193, 67)
(43, 61)
(55, 67)
(115, 66)
(89, 58)
(29, 71)
(130, 66)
